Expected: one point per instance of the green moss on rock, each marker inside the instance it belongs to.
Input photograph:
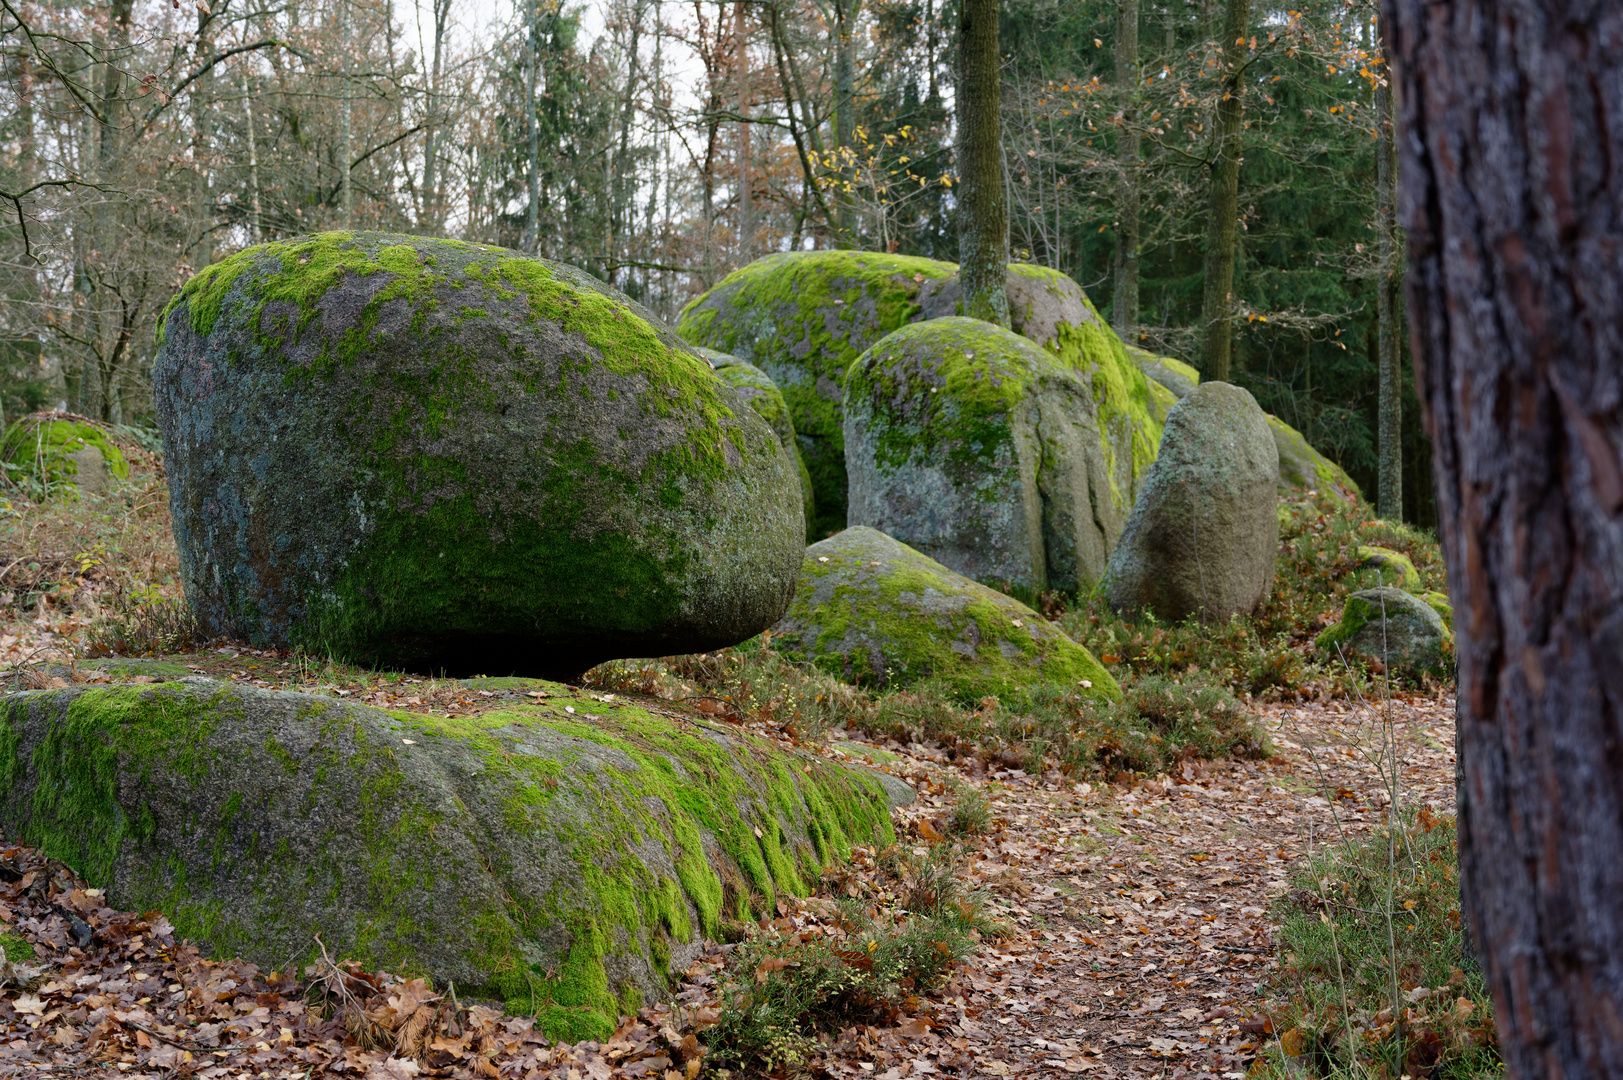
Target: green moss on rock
(561, 856)
(1395, 567)
(875, 612)
(762, 394)
(802, 317)
(54, 451)
(981, 450)
(437, 455)
(1440, 603)
(1301, 466)
(1394, 627)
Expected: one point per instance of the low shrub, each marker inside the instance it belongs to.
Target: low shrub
(1372, 978)
(865, 960)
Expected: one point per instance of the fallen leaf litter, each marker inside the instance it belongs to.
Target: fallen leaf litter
(1139, 937)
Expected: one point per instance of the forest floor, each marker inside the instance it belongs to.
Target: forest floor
(1139, 939)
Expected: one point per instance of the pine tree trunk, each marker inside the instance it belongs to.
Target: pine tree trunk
(1223, 206)
(1508, 129)
(983, 204)
(1389, 465)
(1124, 308)
(746, 208)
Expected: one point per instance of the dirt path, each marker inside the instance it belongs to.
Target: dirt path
(1144, 935)
(1140, 937)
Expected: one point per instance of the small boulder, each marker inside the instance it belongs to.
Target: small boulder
(1204, 534)
(441, 456)
(977, 448)
(873, 611)
(64, 452)
(802, 317)
(1300, 466)
(757, 388)
(1392, 626)
(1395, 567)
(1439, 602)
(565, 856)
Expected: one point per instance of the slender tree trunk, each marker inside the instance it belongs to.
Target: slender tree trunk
(1389, 478)
(746, 208)
(253, 164)
(532, 226)
(622, 210)
(433, 213)
(1223, 206)
(845, 93)
(346, 205)
(1125, 306)
(1508, 135)
(983, 201)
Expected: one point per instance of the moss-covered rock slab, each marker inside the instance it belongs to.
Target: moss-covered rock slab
(1177, 377)
(1204, 535)
(64, 453)
(1392, 626)
(983, 451)
(432, 455)
(756, 388)
(802, 317)
(873, 611)
(563, 857)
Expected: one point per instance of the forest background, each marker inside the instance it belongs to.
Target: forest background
(661, 144)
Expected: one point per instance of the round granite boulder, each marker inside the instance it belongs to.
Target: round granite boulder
(1397, 628)
(802, 317)
(873, 611)
(757, 388)
(981, 450)
(435, 455)
(1204, 533)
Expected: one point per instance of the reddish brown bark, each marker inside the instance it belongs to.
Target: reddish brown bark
(1511, 118)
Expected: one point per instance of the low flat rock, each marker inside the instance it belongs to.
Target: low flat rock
(873, 611)
(564, 856)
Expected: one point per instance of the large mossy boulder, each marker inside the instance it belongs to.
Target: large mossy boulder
(802, 317)
(756, 388)
(1204, 535)
(1402, 631)
(873, 611)
(435, 455)
(983, 451)
(63, 452)
(565, 857)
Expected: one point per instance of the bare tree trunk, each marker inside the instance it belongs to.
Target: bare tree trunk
(253, 164)
(1389, 468)
(1124, 308)
(433, 214)
(346, 205)
(983, 201)
(1223, 222)
(746, 211)
(1507, 114)
(845, 93)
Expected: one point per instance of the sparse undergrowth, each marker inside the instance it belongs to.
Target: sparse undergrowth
(1373, 979)
(884, 932)
(1158, 722)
